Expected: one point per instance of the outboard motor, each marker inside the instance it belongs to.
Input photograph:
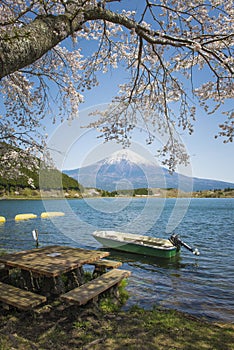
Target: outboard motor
(177, 242)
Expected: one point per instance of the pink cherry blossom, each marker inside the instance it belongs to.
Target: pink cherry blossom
(162, 44)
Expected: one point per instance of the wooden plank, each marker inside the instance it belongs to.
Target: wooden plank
(53, 260)
(91, 289)
(19, 298)
(109, 264)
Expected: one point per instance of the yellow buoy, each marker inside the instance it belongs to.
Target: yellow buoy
(49, 214)
(2, 219)
(25, 216)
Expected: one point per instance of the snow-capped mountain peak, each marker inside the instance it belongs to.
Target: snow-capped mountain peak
(128, 156)
(139, 171)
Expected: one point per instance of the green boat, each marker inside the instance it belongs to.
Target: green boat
(139, 244)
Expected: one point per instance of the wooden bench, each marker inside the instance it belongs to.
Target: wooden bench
(108, 264)
(103, 265)
(19, 298)
(94, 288)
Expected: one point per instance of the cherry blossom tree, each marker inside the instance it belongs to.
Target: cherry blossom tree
(164, 45)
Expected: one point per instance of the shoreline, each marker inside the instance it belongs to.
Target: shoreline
(36, 194)
(63, 198)
(90, 328)
(164, 194)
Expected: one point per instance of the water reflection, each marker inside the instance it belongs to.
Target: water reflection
(139, 260)
(150, 262)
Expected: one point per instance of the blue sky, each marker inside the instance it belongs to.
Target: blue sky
(210, 158)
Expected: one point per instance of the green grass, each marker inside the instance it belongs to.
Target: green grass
(90, 328)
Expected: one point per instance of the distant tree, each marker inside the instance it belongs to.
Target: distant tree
(141, 192)
(227, 189)
(163, 44)
(51, 178)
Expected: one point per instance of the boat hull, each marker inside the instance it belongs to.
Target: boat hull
(143, 245)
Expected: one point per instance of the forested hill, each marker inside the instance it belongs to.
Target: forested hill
(31, 175)
(52, 179)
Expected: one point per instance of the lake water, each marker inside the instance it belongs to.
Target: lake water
(199, 285)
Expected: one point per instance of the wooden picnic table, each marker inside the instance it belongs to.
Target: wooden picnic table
(52, 269)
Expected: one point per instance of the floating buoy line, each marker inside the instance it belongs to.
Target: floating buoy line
(25, 217)
(28, 216)
(49, 214)
(2, 219)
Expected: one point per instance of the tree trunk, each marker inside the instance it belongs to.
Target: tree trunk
(23, 46)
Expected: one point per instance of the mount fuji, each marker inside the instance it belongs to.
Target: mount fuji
(126, 169)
